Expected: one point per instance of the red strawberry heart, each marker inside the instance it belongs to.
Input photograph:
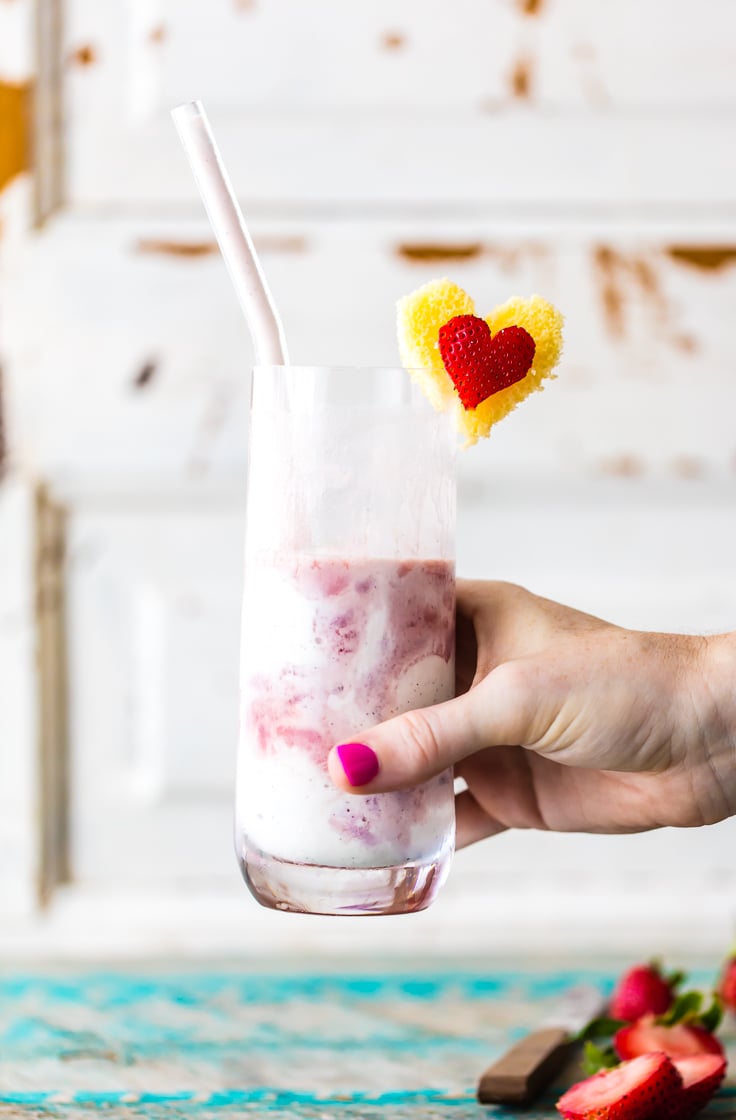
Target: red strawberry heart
(480, 365)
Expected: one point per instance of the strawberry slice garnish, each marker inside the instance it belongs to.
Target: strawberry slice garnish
(481, 364)
(682, 1040)
(645, 1087)
(701, 1076)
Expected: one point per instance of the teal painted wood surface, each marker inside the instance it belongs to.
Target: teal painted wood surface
(215, 1044)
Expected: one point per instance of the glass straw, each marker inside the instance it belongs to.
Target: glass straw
(232, 234)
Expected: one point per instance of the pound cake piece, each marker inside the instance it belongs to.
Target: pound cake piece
(480, 369)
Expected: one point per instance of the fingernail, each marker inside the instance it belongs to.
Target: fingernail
(359, 762)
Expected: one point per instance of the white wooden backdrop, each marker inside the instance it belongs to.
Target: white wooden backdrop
(574, 147)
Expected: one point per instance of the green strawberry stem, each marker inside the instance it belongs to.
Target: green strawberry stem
(675, 979)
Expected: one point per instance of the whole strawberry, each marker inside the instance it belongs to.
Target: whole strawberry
(643, 990)
(727, 983)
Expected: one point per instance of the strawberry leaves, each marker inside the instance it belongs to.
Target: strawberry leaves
(710, 1019)
(598, 1051)
(596, 1058)
(688, 1008)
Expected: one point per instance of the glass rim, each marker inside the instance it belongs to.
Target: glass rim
(259, 367)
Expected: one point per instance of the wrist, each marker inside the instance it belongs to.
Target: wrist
(713, 682)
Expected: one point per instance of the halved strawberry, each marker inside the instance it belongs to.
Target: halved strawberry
(683, 1040)
(637, 1090)
(701, 1076)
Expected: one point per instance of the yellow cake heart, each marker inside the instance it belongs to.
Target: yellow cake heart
(422, 314)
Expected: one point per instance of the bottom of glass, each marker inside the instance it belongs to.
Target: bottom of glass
(306, 888)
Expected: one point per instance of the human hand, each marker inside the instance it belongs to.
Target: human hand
(565, 722)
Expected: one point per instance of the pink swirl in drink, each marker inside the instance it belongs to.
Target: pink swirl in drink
(345, 644)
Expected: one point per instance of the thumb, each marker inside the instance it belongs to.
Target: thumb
(412, 748)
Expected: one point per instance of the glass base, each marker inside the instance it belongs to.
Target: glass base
(306, 888)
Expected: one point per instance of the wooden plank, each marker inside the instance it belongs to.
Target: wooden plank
(556, 160)
(436, 102)
(291, 1043)
(19, 717)
(49, 162)
(161, 380)
(424, 56)
(297, 1044)
(16, 41)
(52, 820)
(153, 739)
(16, 74)
(15, 131)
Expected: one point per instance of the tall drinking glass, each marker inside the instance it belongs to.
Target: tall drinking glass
(348, 619)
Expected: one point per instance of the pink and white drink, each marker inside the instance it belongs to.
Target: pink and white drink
(348, 619)
(349, 604)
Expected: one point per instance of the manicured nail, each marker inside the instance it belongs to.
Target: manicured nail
(359, 762)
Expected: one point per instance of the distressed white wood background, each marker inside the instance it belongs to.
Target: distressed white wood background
(577, 148)
(19, 715)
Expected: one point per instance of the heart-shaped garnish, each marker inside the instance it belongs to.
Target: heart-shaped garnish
(481, 364)
(421, 315)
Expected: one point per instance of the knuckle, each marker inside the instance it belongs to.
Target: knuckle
(516, 689)
(513, 679)
(420, 740)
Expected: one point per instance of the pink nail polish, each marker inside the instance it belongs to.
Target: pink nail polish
(359, 762)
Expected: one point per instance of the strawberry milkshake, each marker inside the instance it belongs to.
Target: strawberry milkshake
(349, 643)
(348, 620)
